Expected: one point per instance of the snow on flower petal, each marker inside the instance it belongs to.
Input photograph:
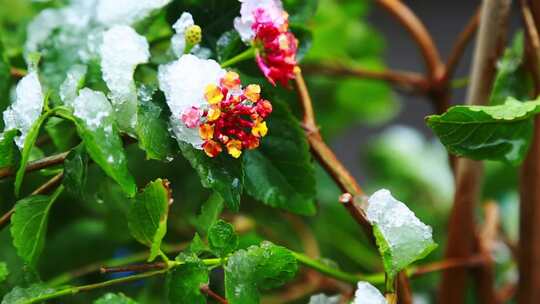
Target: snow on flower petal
(367, 294)
(407, 238)
(111, 12)
(26, 108)
(271, 10)
(183, 82)
(265, 25)
(121, 51)
(210, 110)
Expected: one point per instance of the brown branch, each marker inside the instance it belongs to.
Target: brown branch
(43, 189)
(17, 73)
(134, 268)
(206, 290)
(329, 161)
(419, 33)
(452, 263)
(407, 81)
(461, 238)
(459, 47)
(36, 165)
(529, 224)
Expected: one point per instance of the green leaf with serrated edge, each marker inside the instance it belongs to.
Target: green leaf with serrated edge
(222, 238)
(228, 45)
(29, 225)
(209, 214)
(24, 295)
(114, 298)
(184, 282)
(500, 132)
(259, 267)
(29, 142)
(103, 143)
(147, 217)
(8, 149)
(512, 79)
(280, 173)
(152, 129)
(4, 271)
(75, 171)
(223, 174)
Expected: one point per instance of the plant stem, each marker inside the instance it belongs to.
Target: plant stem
(468, 173)
(39, 164)
(245, 55)
(330, 271)
(209, 292)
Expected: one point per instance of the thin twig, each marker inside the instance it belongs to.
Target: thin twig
(46, 162)
(459, 47)
(133, 268)
(43, 189)
(419, 33)
(407, 81)
(209, 292)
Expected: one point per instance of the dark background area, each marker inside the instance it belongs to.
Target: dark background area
(444, 20)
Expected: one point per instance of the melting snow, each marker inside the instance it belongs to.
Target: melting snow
(367, 294)
(27, 107)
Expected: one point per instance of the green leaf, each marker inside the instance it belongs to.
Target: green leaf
(147, 217)
(102, 140)
(280, 172)
(21, 295)
(301, 10)
(114, 298)
(210, 212)
(8, 149)
(512, 77)
(184, 282)
(4, 271)
(29, 142)
(75, 171)
(228, 45)
(222, 174)
(29, 225)
(259, 267)
(62, 133)
(400, 236)
(500, 132)
(197, 246)
(222, 238)
(152, 129)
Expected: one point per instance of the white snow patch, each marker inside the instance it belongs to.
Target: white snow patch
(367, 294)
(183, 82)
(69, 88)
(93, 108)
(26, 108)
(114, 12)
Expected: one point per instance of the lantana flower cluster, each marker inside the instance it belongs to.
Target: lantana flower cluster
(265, 25)
(210, 108)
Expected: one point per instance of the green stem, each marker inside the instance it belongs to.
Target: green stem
(245, 55)
(336, 273)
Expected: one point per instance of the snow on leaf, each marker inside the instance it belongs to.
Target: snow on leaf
(121, 51)
(27, 107)
(126, 11)
(324, 299)
(183, 82)
(92, 107)
(70, 86)
(367, 294)
(401, 237)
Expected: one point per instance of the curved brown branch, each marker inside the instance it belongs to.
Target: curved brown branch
(407, 81)
(36, 165)
(459, 47)
(419, 33)
(43, 189)
(209, 292)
